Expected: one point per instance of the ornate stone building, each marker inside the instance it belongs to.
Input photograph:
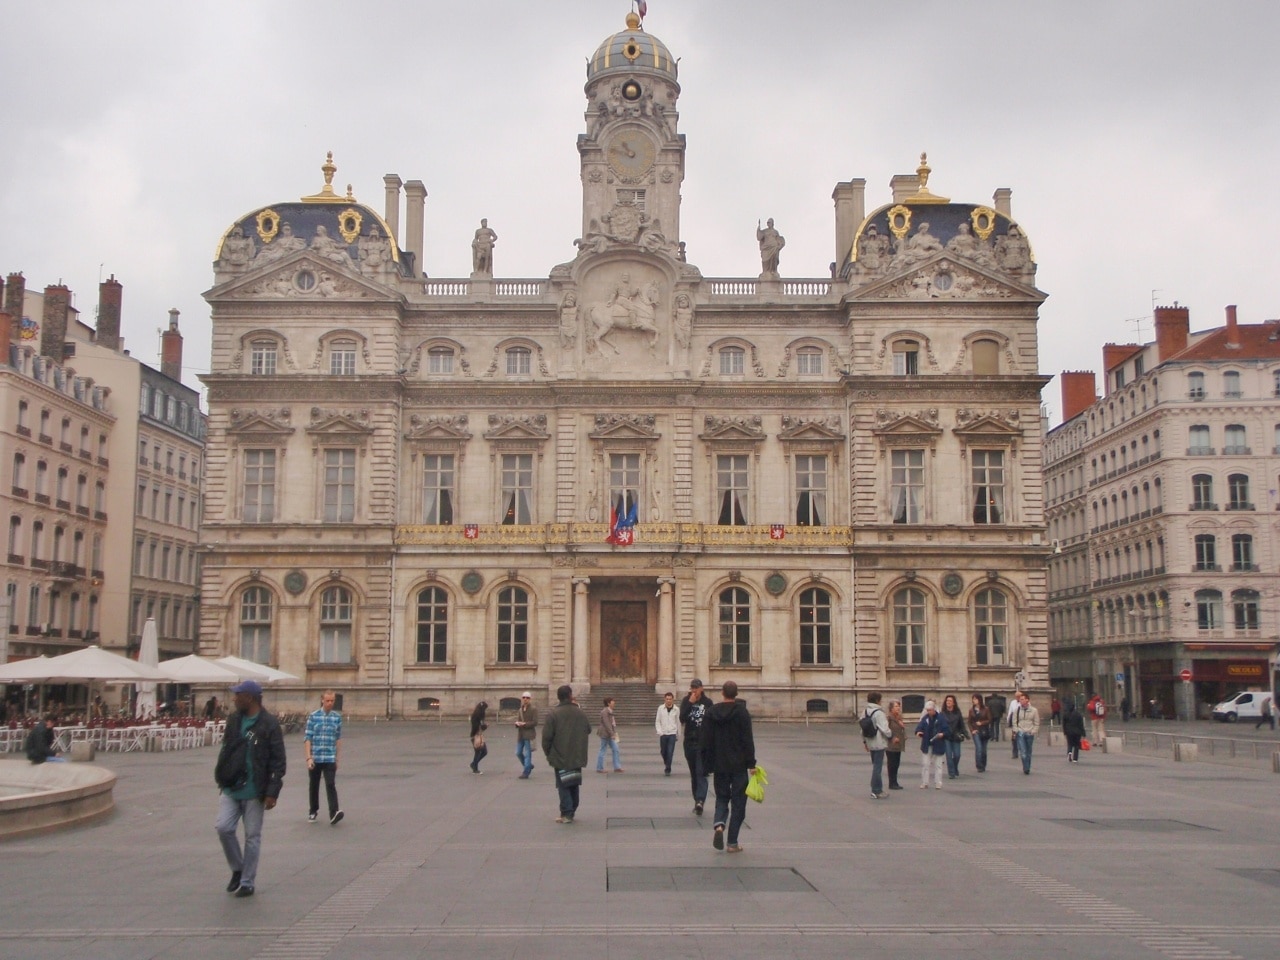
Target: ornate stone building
(835, 482)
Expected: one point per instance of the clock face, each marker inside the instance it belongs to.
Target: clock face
(630, 154)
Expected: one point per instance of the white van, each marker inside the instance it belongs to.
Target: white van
(1243, 706)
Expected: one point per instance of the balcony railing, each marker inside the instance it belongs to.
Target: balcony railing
(486, 535)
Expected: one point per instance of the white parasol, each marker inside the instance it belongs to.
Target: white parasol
(248, 670)
(148, 655)
(196, 669)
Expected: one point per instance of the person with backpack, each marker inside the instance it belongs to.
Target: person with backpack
(875, 740)
(1097, 710)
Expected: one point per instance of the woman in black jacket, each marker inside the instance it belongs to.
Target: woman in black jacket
(478, 726)
(956, 733)
(1073, 727)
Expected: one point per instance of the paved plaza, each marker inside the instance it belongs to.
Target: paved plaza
(1122, 855)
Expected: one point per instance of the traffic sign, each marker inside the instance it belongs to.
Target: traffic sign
(1185, 676)
(1020, 678)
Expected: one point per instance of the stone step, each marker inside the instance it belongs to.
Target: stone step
(634, 703)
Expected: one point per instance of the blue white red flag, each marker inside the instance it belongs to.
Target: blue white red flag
(642, 8)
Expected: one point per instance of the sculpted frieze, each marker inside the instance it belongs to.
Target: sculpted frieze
(966, 416)
(276, 416)
(322, 417)
(732, 427)
(827, 427)
(440, 425)
(517, 425)
(886, 417)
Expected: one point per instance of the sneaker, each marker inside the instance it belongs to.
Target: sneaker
(336, 818)
(244, 891)
(878, 796)
(937, 786)
(564, 819)
(924, 786)
(311, 818)
(234, 885)
(895, 786)
(717, 838)
(734, 848)
(697, 808)
(523, 776)
(619, 770)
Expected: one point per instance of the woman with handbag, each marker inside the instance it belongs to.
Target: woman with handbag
(897, 737)
(478, 727)
(980, 728)
(956, 734)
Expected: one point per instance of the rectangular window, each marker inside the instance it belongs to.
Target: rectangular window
(517, 488)
(1242, 551)
(439, 360)
(262, 359)
(906, 486)
(1209, 610)
(811, 490)
(342, 359)
(988, 486)
(906, 358)
(259, 486)
(732, 361)
(809, 363)
(624, 483)
(437, 488)
(731, 490)
(335, 625)
(1248, 614)
(635, 197)
(339, 486)
(1206, 551)
(519, 362)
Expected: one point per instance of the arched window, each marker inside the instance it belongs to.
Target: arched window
(433, 626)
(809, 362)
(1246, 605)
(335, 625)
(20, 469)
(909, 626)
(1235, 439)
(1231, 384)
(735, 626)
(513, 625)
(15, 533)
(342, 358)
(986, 357)
(991, 626)
(1199, 443)
(1209, 609)
(255, 625)
(519, 361)
(1195, 386)
(1238, 492)
(440, 361)
(733, 361)
(1206, 551)
(906, 358)
(1242, 552)
(1202, 492)
(815, 626)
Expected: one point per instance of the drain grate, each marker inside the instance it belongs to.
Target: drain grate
(1009, 794)
(1261, 874)
(707, 880)
(1145, 826)
(660, 823)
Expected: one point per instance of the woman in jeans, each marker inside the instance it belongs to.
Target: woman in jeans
(980, 729)
(955, 733)
(897, 737)
(478, 726)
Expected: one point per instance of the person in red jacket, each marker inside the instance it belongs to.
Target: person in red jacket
(1096, 708)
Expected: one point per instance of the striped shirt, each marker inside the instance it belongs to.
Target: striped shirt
(323, 731)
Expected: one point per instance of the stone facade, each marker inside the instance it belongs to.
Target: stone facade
(835, 482)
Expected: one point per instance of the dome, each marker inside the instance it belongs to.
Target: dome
(631, 50)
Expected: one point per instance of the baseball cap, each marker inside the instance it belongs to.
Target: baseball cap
(526, 695)
(695, 683)
(248, 686)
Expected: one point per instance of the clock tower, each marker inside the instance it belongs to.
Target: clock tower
(632, 155)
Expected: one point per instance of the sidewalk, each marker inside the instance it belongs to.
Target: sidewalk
(1118, 856)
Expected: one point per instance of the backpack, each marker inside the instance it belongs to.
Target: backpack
(868, 724)
(1099, 709)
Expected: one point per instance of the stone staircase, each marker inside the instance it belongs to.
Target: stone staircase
(635, 703)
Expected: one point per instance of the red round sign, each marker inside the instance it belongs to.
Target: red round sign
(1185, 676)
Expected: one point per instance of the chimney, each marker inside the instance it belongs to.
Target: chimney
(1003, 201)
(1079, 391)
(850, 207)
(1114, 354)
(171, 349)
(904, 186)
(1173, 327)
(393, 183)
(1233, 331)
(415, 201)
(53, 326)
(6, 337)
(110, 295)
(15, 293)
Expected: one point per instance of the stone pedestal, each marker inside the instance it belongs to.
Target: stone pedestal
(1185, 752)
(1111, 745)
(82, 751)
(1057, 738)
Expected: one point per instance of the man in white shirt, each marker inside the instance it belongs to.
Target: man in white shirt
(667, 723)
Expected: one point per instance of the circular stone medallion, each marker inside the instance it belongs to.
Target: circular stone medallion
(775, 583)
(952, 584)
(295, 581)
(472, 581)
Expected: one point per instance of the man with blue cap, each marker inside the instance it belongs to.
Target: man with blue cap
(250, 771)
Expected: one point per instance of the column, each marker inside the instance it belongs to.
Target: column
(666, 634)
(581, 660)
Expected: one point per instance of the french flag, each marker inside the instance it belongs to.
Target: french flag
(642, 8)
(622, 524)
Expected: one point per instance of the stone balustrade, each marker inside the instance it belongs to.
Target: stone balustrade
(647, 535)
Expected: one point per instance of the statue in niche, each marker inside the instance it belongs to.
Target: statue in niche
(569, 320)
(324, 246)
(873, 251)
(594, 241)
(684, 319)
(482, 249)
(626, 309)
(1013, 253)
(771, 244)
(375, 257)
(283, 245)
(237, 249)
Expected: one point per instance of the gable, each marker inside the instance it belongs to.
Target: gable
(300, 276)
(942, 277)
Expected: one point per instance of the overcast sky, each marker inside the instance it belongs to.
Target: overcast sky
(1139, 138)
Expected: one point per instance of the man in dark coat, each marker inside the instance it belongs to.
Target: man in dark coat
(250, 771)
(693, 712)
(565, 738)
(39, 745)
(729, 752)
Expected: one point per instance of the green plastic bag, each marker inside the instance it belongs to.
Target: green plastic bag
(757, 783)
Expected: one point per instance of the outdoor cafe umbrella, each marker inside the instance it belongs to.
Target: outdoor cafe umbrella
(248, 670)
(24, 671)
(89, 663)
(196, 669)
(149, 655)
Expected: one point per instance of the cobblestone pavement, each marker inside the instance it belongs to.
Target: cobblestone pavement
(1121, 855)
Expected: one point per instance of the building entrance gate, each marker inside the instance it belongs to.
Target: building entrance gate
(624, 632)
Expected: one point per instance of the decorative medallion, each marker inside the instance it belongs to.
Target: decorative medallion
(349, 221)
(268, 225)
(472, 581)
(295, 581)
(304, 280)
(984, 221)
(900, 220)
(631, 50)
(775, 583)
(631, 90)
(952, 584)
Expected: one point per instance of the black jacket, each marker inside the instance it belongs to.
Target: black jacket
(1073, 723)
(727, 743)
(267, 750)
(39, 743)
(692, 715)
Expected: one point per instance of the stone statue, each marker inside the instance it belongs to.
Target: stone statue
(482, 249)
(375, 257)
(921, 244)
(284, 244)
(771, 244)
(964, 243)
(684, 319)
(569, 320)
(873, 251)
(324, 246)
(652, 240)
(593, 242)
(1013, 253)
(237, 249)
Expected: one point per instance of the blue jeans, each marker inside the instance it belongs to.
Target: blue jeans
(1025, 742)
(667, 746)
(524, 753)
(877, 765)
(731, 801)
(953, 757)
(980, 751)
(230, 813)
(697, 771)
(606, 745)
(568, 798)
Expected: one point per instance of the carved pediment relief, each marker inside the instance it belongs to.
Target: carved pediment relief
(896, 428)
(443, 427)
(944, 278)
(264, 423)
(302, 277)
(339, 423)
(733, 429)
(625, 426)
(811, 428)
(516, 426)
(994, 427)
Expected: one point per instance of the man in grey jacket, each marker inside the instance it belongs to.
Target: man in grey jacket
(876, 744)
(565, 738)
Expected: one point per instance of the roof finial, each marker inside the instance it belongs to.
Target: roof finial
(922, 191)
(327, 194)
(330, 168)
(633, 20)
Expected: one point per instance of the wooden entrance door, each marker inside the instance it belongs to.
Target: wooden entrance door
(623, 637)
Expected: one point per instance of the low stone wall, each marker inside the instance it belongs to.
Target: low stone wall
(54, 795)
